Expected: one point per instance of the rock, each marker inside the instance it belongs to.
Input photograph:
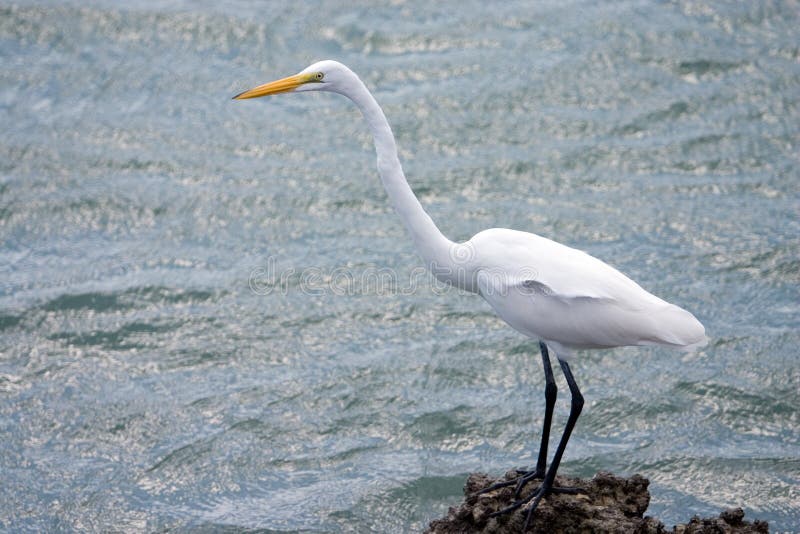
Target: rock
(606, 503)
(731, 521)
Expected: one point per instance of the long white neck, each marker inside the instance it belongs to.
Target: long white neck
(435, 248)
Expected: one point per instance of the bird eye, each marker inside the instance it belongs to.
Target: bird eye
(319, 76)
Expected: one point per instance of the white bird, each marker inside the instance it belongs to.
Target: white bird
(563, 297)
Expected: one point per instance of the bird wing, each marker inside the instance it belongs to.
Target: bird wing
(539, 265)
(563, 295)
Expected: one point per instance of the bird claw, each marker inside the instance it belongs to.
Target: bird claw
(534, 498)
(523, 472)
(524, 477)
(508, 509)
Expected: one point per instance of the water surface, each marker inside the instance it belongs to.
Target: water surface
(154, 374)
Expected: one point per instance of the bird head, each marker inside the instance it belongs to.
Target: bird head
(321, 76)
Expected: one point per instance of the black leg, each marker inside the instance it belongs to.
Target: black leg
(550, 393)
(547, 484)
(574, 412)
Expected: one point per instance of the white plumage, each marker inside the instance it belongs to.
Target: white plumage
(572, 300)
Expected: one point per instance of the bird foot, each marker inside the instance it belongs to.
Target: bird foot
(524, 477)
(534, 498)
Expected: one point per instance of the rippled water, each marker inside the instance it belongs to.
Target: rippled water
(151, 375)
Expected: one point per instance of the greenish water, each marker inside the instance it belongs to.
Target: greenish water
(154, 374)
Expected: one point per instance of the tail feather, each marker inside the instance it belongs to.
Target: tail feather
(677, 327)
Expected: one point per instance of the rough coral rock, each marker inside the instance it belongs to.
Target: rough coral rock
(605, 503)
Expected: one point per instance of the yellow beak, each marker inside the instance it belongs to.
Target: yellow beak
(284, 85)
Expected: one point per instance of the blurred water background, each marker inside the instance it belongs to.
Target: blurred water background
(155, 371)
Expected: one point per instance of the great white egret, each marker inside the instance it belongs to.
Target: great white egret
(561, 296)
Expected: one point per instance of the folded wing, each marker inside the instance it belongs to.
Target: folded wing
(567, 297)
